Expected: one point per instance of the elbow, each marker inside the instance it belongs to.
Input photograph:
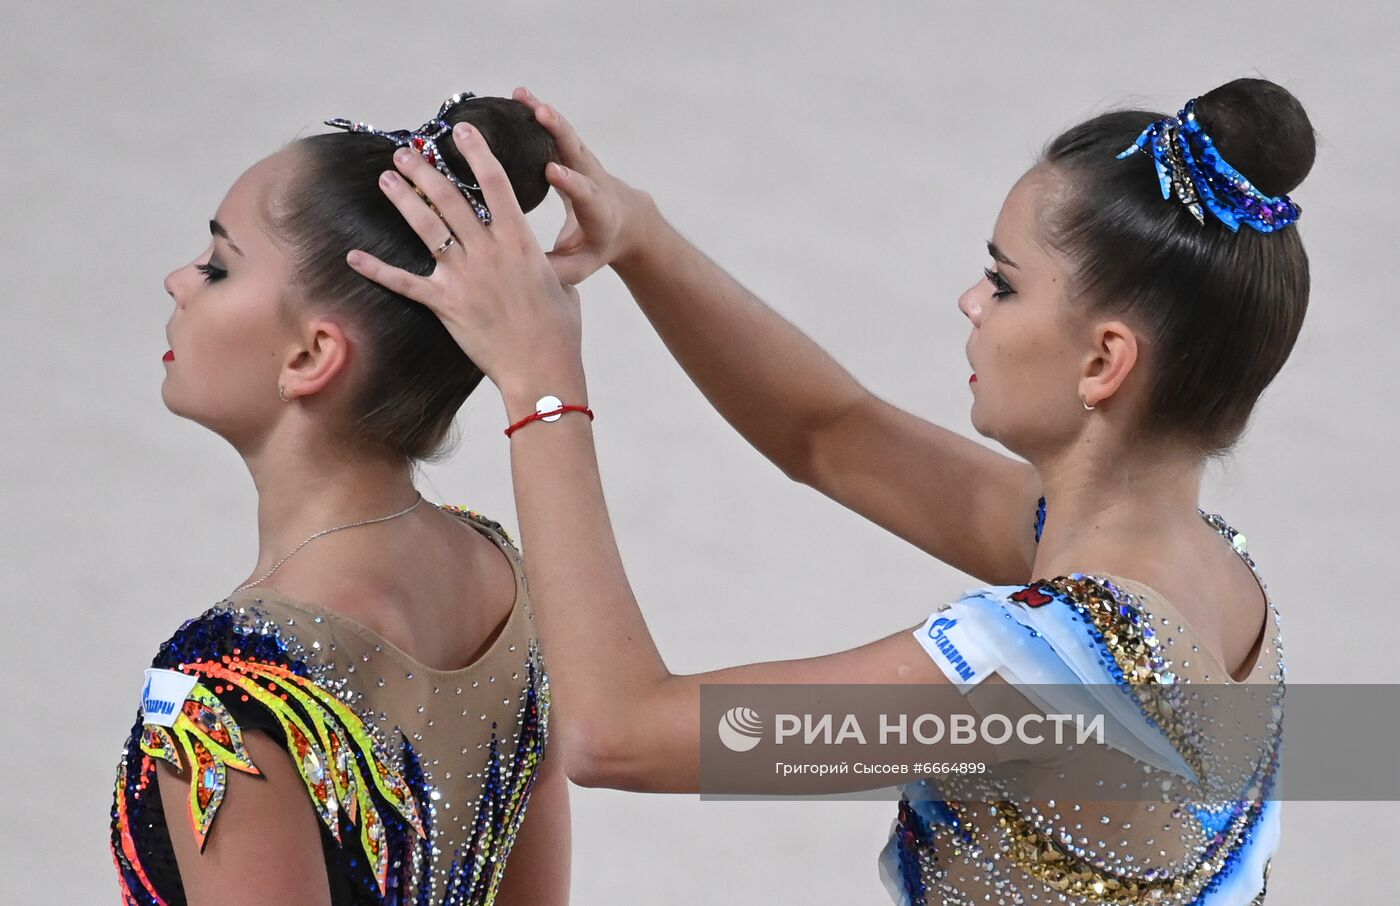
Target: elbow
(585, 763)
(589, 774)
(799, 461)
(617, 749)
(617, 770)
(796, 468)
(589, 740)
(818, 450)
(595, 757)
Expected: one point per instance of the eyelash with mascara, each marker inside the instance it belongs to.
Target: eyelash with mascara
(211, 272)
(997, 280)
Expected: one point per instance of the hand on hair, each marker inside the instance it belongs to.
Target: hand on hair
(492, 287)
(607, 219)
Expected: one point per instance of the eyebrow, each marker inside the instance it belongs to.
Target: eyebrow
(998, 255)
(217, 229)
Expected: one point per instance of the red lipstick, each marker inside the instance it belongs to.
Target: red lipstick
(973, 379)
(169, 356)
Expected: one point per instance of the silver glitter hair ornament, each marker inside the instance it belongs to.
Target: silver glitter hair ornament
(424, 141)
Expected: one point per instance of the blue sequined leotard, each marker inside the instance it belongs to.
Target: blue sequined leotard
(1103, 632)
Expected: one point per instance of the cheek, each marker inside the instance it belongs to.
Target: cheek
(1019, 362)
(1009, 347)
(237, 335)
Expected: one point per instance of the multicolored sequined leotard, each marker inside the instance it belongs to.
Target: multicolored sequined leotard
(420, 776)
(1126, 639)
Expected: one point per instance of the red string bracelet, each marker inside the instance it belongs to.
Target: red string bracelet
(548, 408)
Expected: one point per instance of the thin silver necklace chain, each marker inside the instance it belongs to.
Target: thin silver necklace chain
(337, 528)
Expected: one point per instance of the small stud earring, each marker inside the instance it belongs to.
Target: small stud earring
(282, 392)
(1085, 402)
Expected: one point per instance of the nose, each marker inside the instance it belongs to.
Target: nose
(171, 282)
(970, 303)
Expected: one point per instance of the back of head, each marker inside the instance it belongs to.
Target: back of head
(411, 377)
(1220, 310)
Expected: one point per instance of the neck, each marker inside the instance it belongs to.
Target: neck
(1117, 510)
(299, 495)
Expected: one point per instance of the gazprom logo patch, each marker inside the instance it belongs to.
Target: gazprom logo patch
(164, 695)
(955, 645)
(938, 632)
(155, 707)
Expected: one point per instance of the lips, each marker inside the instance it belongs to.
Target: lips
(169, 356)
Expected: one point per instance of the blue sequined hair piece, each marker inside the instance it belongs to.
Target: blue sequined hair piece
(1189, 166)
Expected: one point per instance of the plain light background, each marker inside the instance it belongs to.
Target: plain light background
(847, 162)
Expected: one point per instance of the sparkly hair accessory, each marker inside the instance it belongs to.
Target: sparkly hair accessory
(1189, 165)
(424, 141)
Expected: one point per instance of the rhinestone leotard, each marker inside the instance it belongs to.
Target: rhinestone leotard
(420, 777)
(950, 851)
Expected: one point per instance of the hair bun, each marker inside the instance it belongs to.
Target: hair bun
(1262, 130)
(515, 137)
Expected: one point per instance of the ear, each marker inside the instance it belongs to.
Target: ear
(1114, 353)
(323, 351)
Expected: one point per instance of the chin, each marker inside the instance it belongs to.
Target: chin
(174, 405)
(978, 424)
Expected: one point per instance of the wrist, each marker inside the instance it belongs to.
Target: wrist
(548, 409)
(643, 220)
(521, 394)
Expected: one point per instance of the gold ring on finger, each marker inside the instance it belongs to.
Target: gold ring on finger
(446, 244)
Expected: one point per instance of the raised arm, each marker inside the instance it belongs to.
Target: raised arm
(625, 719)
(950, 496)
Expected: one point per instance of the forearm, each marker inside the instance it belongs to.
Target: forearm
(627, 721)
(598, 650)
(770, 381)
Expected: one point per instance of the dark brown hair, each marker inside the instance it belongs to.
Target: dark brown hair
(413, 376)
(1220, 311)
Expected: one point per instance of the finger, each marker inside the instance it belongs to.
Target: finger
(394, 279)
(572, 260)
(424, 221)
(571, 268)
(581, 194)
(457, 214)
(570, 257)
(570, 235)
(526, 97)
(572, 184)
(569, 245)
(495, 185)
(572, 152)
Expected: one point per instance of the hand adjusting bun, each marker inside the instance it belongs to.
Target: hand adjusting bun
(522, 146)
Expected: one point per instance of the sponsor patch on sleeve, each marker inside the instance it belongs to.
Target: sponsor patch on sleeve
(957, 648)
(164, 695)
